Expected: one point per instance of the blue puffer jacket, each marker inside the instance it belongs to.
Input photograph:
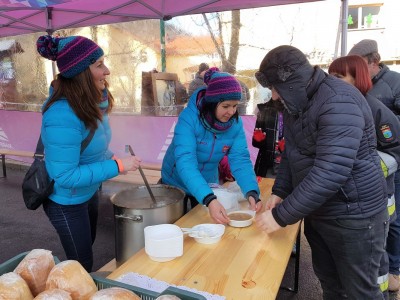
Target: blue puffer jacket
(330, 167)
(192, 159)
(77, 176)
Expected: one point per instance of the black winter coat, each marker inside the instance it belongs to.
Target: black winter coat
(330, 167)
(386, 88)
(267, 120)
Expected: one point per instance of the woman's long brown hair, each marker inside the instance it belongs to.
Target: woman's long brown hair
(82, 96)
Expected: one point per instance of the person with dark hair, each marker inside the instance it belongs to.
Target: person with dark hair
(354, 70)
(198, 80)
(208, 129)
(268, 138)
(329, 174)
(78, 104)
(386, 88)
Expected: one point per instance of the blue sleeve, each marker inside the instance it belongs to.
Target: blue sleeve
(186, 157)
(62, 134)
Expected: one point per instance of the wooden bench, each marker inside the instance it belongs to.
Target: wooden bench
(152, 170)
(12, 152)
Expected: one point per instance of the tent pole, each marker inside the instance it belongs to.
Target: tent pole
(50, 31)
(345, 13)
(162, 39)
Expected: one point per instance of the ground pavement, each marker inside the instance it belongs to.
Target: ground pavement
(23, 230)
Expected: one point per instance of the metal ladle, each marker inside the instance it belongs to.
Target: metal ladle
(144, 177)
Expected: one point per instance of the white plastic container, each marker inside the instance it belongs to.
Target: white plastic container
(227, 199)
(163, 242)
(207, 233)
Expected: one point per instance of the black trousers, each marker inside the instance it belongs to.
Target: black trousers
(346, 255)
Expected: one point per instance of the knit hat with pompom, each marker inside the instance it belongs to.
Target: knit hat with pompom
(221, 86)
(73, 54)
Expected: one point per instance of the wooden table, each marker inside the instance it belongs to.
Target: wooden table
(245, 264)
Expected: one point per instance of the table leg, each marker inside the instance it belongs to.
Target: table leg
(296, 255)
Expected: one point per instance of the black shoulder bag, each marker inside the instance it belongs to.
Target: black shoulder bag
(37, 186)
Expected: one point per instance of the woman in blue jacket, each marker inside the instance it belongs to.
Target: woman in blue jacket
(208, 129)
(79, 103)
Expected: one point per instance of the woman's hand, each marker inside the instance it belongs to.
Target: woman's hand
(255, 206)
(266, 222)
(131, 163)
(218, 212)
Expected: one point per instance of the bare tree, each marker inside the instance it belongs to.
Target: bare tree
(228, 59)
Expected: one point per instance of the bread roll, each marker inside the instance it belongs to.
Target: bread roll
(70, 276)
(34, 269)
(55, 294)
(115, 293)
(12, 286)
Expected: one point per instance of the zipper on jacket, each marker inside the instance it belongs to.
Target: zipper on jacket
(212, 151)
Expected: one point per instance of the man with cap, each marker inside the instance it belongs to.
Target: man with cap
(329, 175)
(78, 105)
(209, 129)
(198, 80)
(386, 88)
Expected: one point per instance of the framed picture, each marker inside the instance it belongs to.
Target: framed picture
(165, 93)
(162, 94)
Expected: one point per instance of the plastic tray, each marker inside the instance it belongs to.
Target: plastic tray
(103, 283)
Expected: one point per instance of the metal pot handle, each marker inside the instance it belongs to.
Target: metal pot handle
(135, 218)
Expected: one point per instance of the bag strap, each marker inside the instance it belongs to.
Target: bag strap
(40, 148)
(87, 140)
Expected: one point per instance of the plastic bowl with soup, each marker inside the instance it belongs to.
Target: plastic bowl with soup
(241, 218)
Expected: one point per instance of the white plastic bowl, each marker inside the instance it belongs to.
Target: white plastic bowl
(207, 233)
(241, 218)
(163, 242)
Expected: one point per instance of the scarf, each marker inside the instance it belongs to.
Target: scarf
(103, 105)
(207, 119)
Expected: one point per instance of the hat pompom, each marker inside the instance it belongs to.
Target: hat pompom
(47, 46)
(210, 72)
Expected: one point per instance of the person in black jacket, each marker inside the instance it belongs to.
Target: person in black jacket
(268, 137)
(330, 175)
(386, 88)
(354, 70)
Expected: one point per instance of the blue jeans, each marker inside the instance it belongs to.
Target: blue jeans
(76, 227)
(393, 240)
(346, 255)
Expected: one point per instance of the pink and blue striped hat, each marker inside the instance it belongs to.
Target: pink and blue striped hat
(221, 86)
(73, 54)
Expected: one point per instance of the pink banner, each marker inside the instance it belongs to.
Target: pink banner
(148, 136)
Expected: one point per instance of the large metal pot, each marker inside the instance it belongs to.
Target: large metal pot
(134, 210)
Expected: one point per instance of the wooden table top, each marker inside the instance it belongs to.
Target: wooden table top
(245, 264)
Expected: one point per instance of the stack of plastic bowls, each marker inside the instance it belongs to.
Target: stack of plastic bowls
(163, 242)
